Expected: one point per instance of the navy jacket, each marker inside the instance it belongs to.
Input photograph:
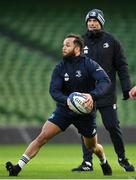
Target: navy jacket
(79, 74)
(103, 48)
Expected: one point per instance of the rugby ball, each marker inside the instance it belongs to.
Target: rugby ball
(77, 103)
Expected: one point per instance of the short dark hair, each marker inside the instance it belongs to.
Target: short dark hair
(78, 40)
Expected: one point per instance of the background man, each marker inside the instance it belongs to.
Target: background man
(65, 81)
(107, 51)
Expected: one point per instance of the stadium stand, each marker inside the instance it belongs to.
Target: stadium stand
(24, 79)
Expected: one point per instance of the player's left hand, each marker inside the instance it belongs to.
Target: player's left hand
(88, 102)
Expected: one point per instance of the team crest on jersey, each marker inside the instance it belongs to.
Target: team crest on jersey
(66, 77)
(78, 73)
(106, 45)
(85, 50)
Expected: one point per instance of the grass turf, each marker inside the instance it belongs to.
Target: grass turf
(56, 162)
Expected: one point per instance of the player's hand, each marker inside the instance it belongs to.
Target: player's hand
(132, 93)
(88, 104)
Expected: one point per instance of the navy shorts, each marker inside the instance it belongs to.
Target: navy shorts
(85, 124)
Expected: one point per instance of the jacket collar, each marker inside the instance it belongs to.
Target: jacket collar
(72, 59)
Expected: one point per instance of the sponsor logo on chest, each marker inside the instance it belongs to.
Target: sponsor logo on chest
(78, 74)
(85, 50)
(66, 77)
(105, 45)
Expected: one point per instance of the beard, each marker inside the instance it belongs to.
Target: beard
(95, 33)
(70, 54)
(70, 57)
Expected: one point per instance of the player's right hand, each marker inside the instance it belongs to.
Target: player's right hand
(88, 102)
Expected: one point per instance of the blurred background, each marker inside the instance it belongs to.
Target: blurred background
(31, 37)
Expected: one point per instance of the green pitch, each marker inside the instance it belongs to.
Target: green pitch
(56, 162)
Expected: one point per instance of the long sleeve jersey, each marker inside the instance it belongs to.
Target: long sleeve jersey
(77, 74)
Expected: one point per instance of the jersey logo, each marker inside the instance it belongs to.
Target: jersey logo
(106, 45)
(66, 77)
(85, 50)
(78, 73)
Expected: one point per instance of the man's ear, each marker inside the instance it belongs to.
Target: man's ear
(77, 49)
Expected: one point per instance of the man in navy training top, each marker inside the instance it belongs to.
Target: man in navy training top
(74, 73)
